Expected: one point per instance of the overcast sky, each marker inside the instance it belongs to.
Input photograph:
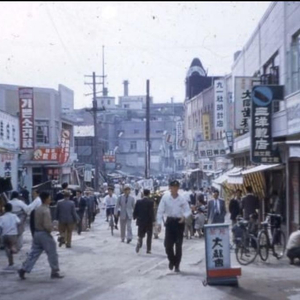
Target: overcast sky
(45, 44)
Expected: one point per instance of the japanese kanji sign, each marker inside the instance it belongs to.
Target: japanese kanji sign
(217, 246)
(65, 146)
(26, 118)
(261, 125)
(206, 127)
(220, 102)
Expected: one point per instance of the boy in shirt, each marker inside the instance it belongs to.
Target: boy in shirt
(9, 231)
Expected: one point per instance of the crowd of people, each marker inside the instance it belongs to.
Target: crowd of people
(182, 215)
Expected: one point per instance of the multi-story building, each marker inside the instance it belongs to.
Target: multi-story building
(43, 159)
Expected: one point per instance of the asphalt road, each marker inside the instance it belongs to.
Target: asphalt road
(99, 266)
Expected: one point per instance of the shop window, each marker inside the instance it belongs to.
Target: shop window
(133, 146)
(42, 132)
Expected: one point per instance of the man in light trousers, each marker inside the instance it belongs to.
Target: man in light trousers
(42, 240)
(126, 204)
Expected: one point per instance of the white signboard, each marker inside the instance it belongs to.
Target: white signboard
(220, 103)
(9, 131)
(242, 102)
(217, 245)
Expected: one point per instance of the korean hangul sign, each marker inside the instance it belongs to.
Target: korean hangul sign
(65, 146)
(261, 125)
(26, 118)
(46, 154)
(217, 246)
(206, 126)
(220, 102)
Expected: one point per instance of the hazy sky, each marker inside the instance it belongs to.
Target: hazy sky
(46, 43)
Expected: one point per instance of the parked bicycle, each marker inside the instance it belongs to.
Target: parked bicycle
(245, 242)
(271, 237)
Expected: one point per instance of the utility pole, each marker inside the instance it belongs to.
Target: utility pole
(147, 156)
(94, 111)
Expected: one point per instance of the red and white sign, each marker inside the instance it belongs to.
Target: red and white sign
(65, 146)
(26, 118)
(46, 154)
(7, 157)
(109, 158)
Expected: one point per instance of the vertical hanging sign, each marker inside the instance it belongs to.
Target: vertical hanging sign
(26, 118)
(219, 91)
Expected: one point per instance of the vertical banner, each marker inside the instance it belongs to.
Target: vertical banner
(220, 102)
(26, 118)
(261, 125)
(206, 126)
(65, 146)
(242, 102)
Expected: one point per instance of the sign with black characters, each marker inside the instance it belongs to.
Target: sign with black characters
(262, 97)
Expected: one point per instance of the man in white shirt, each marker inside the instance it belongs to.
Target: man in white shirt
(21, 210)
(176, 208)
(293, 246)
(110, 202)
(37, 202)
(9, 231)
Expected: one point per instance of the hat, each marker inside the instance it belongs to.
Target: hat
(174, 183)
(127, 187)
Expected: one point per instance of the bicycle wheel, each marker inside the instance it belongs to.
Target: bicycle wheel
(278, 244)
(246, 250)
(263, 245)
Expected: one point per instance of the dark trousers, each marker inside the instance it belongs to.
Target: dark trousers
(79, 226)
(142, 231)
(10, 243)
(31, 223)
(293, 253)
(111, 211)
(174, 237)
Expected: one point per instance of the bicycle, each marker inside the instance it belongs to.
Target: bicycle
(271, 237)
(246, 243)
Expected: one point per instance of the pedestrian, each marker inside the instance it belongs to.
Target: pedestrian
(199, 221)
(126, 204)
(293, 246)
(176, 208)
(42, 240)
(25, 194)
(216, 209)
(156, 198)
(81, 202)
(91, 206)
(67, 218)
(200, 197)
(189, 226)
(110, 202)
(276, 203)
(144, 216)
(193, 197)
(250, 204)
(9, 232)
(37, 202)
(20, 209)
(60, 194)
(235, 206)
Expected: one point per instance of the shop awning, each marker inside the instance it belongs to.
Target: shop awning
(224, 177)
(259, 168)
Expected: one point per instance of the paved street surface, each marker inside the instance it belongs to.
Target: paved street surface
(99, 266)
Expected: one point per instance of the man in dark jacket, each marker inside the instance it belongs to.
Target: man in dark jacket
(235, 206)
(250, 203)
(67, 218)
(81, 204)
(144, 214)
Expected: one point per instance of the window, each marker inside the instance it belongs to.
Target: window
(295, 63)
(271, 71)
(136, 131)
(42, 132)
(126, 105)
(133, 145)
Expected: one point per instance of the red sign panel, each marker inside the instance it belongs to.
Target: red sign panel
(43, 154)
(109, 158)
(65, 146)
(26, 118)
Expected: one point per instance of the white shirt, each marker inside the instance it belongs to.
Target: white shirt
(110, 201)
(294, 240)
(218, 204)
(8, 223)
(173, 207)
(18, 206)
(37, 202)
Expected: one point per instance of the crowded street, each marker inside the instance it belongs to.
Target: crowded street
(99, 266)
